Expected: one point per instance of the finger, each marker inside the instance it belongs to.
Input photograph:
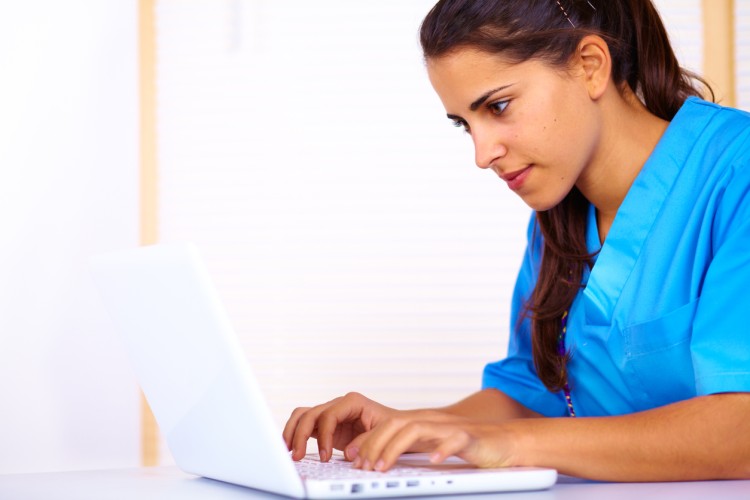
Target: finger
(372, 445)
(453, 444)
(352, 449)
(291, 425)
(330, 420)
(441, 439)
(371, 415)
(404, 439)
(306, 426)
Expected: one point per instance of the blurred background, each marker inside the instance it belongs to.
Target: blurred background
(300, 146)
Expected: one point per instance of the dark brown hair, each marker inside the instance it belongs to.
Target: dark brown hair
(550, 31)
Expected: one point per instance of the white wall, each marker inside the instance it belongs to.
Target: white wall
(68, 174)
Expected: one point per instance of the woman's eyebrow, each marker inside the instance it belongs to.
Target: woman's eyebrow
(475, 105)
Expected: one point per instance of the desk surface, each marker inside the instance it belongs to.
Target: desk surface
(167, 483)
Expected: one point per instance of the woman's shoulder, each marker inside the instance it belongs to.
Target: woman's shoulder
(728, 111)
(711, 141)
(715, 119)
(721, 165)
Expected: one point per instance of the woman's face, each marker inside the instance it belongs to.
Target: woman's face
(534, 125)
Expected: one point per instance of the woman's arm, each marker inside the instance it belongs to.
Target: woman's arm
(706, 437)
(489, 405)
(702, 438)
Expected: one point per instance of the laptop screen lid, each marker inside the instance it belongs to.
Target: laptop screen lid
(191, 368)
(208, 404)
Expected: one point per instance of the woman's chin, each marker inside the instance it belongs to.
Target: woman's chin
(539, 205)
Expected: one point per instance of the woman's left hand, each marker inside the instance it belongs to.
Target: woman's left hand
(482, 444)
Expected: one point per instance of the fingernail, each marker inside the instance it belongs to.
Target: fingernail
(366, 465)
(351, 453)
(356, 462)
(379, 465)
(435, 457)
(323, 455)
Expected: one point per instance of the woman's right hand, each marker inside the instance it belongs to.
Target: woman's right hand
(340, 423)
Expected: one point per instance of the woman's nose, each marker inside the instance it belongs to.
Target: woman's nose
(488, 148)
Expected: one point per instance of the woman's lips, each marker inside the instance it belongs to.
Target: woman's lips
(516, 179)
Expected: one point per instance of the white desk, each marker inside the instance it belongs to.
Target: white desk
(169, 483)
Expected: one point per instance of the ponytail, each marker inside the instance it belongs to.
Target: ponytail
(657, 77)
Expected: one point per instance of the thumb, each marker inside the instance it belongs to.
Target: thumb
(352, 449)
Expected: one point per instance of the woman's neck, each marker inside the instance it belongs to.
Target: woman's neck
(628, 137)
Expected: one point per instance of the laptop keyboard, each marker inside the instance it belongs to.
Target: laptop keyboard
(338, 468)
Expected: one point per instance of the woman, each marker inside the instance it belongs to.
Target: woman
(630, 305)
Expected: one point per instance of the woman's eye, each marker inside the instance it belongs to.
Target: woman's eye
(498, 107)
(461, 124)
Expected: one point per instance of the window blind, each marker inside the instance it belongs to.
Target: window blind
(353, 241)
(351, 238)
(682, 19)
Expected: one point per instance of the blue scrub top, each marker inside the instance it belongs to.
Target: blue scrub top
(665, 312)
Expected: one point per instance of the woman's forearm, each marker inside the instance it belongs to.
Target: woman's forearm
(699, 439)
(489, 405)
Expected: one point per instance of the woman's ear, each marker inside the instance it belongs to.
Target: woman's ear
(595, 61)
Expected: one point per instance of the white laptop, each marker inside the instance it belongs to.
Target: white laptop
(210, 408)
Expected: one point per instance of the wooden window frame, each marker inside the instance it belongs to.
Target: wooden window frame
(148, 200)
